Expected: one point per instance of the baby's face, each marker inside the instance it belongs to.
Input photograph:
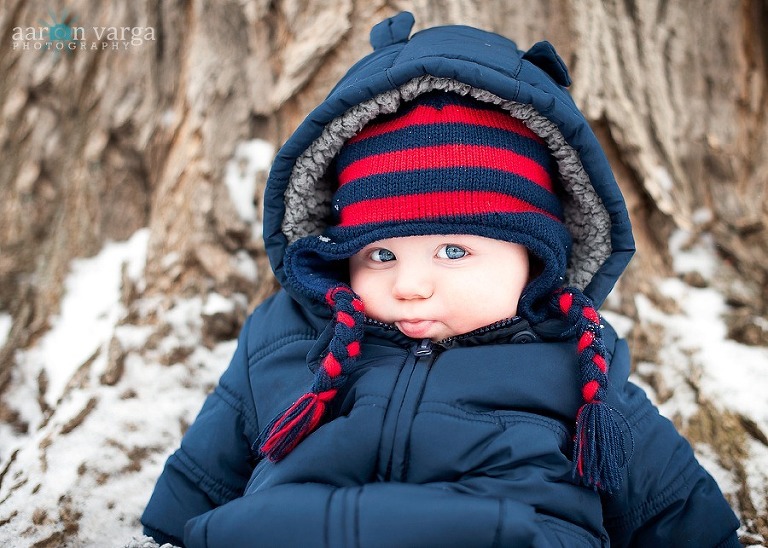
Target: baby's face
(436, 287)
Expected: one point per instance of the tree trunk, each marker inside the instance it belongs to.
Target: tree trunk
(99, 143)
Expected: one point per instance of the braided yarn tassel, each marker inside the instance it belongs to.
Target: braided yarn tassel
(598, 453)
(289, 428)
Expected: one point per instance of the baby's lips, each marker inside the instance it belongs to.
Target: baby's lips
(415, 329)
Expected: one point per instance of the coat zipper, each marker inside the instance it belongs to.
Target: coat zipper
(396, 431)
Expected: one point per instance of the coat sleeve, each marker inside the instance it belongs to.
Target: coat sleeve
(212, 465)
(668, 499)
(377, 515)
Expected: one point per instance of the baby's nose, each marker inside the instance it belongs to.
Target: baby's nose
(413, 283)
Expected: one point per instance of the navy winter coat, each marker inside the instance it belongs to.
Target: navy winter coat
(431, 445)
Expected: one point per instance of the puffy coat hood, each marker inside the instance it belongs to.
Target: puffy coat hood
(488, 67)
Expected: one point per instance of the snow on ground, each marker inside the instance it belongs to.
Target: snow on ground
(88, 314)
(90, 460)
(5, 327)
(89, 311)
(730, 375)
(88, 464)
(250, 158)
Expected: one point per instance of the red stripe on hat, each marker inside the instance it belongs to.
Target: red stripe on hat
(450, 114)
(445, 156)
(432, 205)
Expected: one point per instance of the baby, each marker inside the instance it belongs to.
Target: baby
(434, 371)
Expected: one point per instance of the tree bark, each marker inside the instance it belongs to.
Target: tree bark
(100, 143)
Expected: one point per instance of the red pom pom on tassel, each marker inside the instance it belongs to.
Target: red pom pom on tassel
(288, 429)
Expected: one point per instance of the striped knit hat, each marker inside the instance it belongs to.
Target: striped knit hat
(446, 164)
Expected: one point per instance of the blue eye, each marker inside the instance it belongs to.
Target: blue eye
(382, 255)
(451, 251)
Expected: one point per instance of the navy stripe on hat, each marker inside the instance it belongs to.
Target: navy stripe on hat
(443, 180)
(424, 158)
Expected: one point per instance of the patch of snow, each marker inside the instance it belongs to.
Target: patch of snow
(6, 322)
(105, 468)
(724, 478)
(216, 303)
(702, 216)
(250, 158)
(21, 396)
(757, 474)
(246, 266)
(169, 260)
(88, 313)
(168, 118)
(733, 375)
(730, 375)
(663, 178)
(184, 318)
(699, 257)
(132, 336)
(146, 306)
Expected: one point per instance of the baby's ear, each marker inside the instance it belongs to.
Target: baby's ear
(543, 55)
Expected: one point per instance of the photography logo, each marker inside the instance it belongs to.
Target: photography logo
(61, 34)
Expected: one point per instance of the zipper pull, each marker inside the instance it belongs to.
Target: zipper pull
(424, 348)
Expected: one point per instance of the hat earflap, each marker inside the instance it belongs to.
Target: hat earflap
(598, 452)
(289, 428)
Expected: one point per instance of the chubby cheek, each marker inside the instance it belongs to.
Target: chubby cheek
(357, 278)
(468, 315)
(482, 301)
(371, 290)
